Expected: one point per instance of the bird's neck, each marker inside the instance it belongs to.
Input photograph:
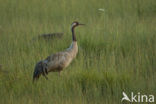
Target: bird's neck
(73, 49)
(73, 34)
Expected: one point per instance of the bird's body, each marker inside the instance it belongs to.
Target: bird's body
(58, 61)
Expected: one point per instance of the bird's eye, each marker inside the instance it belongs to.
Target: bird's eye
(74, 24)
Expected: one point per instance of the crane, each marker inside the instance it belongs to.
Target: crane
(58, 61)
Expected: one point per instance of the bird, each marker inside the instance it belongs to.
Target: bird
(58, 61)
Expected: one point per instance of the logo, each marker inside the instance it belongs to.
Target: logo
(137, 97)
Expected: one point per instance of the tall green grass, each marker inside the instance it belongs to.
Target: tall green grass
(117, 50)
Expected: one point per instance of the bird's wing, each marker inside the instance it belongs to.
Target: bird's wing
(55, 61)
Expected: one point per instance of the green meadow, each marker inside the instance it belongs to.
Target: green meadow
(117, 50)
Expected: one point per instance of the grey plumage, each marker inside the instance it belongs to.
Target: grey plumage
(58, 61)
(40, 68)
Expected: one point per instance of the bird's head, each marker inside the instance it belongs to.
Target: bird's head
(75, 24)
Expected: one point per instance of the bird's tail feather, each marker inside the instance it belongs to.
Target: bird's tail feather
(40, 68)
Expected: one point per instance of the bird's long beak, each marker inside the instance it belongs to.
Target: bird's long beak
(81, 24)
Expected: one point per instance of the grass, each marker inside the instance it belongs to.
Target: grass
(117, 50)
